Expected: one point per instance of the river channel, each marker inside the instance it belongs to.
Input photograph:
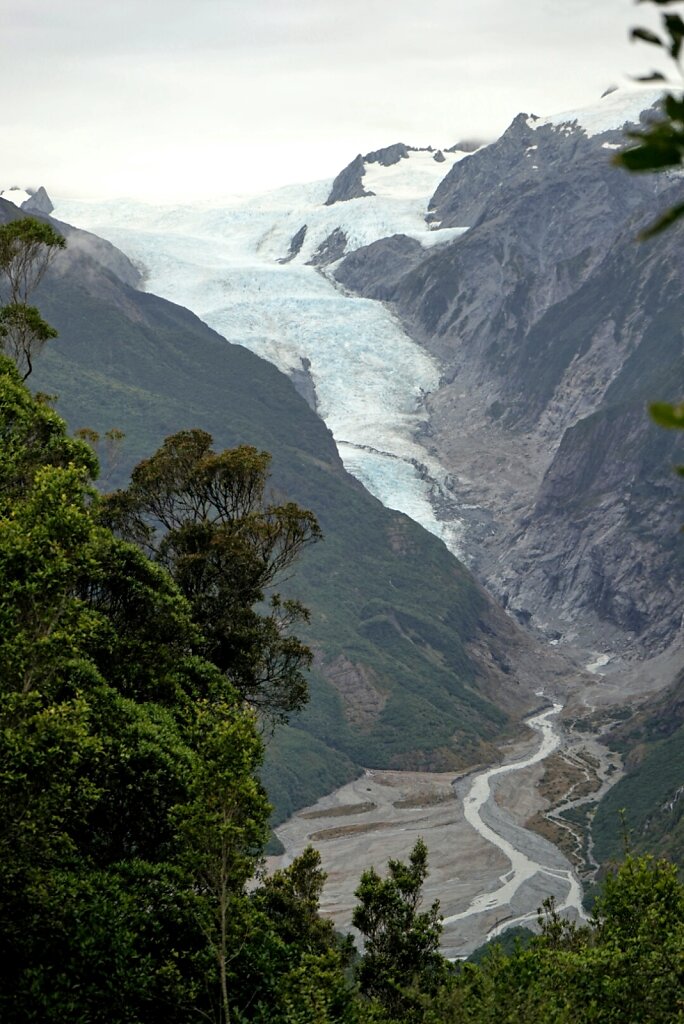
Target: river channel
(537, 868)
(487, 871)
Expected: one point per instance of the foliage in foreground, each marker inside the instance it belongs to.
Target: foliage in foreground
(626, 966)
(133, 820)
(132, 816)
(27, 248)
(660, 145)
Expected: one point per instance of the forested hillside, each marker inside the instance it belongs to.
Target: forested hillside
(651, 796)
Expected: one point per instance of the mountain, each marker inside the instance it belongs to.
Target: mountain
(415, 666)
(481, 333)
(30, 200)
(350, 184)
(553, 328)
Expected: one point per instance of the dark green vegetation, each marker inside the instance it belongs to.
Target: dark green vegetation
(203, 516)
(401, 943)
(661, 144)
(508, 942)
(628, 965)
(651, 794)
(131, 814)
(396, 622)
(27, 247)
(133, 819)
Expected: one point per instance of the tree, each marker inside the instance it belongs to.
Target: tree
(132, 818)
(295, 965)
(401, 945)
(203, 515)
(625, 966)
(223, 827)
(661, 144)
(114, 732)
(27, 248)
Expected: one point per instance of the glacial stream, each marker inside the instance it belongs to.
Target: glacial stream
(538, 869)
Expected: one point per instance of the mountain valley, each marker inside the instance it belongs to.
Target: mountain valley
(471, 338)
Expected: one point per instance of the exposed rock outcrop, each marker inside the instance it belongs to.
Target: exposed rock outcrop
(296, 243)
(388, 156)
(349, 183)
(330, 250)
(554, 328)
(38, 202)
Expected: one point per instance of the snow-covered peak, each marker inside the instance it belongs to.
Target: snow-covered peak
(15, 195)
(398, 205)
(33, 200)
(611, 113)
(415, 176)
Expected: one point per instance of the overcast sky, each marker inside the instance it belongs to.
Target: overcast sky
(161, 97)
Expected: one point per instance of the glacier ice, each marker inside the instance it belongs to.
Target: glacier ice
(223, 264)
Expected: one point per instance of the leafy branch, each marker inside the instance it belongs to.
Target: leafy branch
(661, 144)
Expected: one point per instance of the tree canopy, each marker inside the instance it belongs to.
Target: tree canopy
(132, 813)
(27, 248)
(660, 145)
(205, 517)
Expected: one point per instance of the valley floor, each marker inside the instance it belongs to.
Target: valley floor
(381, 814)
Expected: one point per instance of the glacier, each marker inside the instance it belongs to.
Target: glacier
(231, 262)
(222, 262)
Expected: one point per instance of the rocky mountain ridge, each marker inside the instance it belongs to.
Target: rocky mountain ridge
(553, 328)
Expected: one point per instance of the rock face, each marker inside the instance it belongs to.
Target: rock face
(388, 156)
(554, 328)
(330, 250)
(31, 200)
(349, 183)
(39, 202)
(296, 243)
(83, 247)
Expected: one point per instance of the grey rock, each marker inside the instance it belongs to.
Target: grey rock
(554, 329)
(86, 246)
(82, 247)
(388, 156)
(39, 202)
(439, 157)
(376, 269)
(330, 250)
(465, 146)
(349, 183)
(296, 243)
(304, 382)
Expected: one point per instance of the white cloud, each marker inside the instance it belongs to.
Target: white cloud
(132, 98)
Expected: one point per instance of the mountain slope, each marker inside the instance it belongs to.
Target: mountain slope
(414, 663)
(652, 791)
